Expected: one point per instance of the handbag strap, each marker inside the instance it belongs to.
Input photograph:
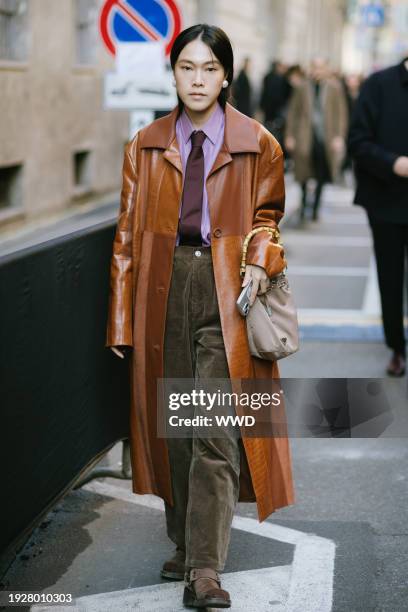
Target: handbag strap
(273, 231)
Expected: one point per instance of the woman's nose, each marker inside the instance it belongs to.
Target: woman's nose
(198, 78)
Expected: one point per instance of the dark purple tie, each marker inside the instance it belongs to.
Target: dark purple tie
(192, 199)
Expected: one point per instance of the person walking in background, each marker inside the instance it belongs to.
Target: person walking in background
(316, 129)
(242, 90)
(378, 143)
(294, 76)
(274, 98)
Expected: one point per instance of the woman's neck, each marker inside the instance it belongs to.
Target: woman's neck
(199, 118)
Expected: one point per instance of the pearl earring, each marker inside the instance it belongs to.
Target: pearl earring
(225, 84)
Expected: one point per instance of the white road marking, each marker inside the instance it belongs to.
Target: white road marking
(311, 584)
(304, 586)
(328, 271)
(325, 315)
(371, 301)
(338, 203)
(331, 241)
(339, 193)
(335, 218)
(104, 488)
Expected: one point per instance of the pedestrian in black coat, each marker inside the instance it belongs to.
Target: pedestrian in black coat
(378, 143)
(242, 91)
(275, 94)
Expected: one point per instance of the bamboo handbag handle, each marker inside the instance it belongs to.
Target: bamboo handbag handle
(273, 231)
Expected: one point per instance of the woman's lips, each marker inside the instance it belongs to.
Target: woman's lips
(197, 95)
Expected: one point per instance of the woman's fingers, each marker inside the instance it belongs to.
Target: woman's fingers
(247, 276)
(254, 290)
(263, 285)
(260, 281)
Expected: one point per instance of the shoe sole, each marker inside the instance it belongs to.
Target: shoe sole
(172, 575)
(190, 601)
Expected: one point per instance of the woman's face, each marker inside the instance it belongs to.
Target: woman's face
(198, 75)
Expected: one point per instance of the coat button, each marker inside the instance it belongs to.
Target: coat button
(156, 347)
(160, 289)
(217, 232)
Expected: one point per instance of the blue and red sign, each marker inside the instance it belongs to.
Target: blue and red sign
(139, 21)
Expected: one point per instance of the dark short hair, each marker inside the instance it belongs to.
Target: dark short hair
(219, 44)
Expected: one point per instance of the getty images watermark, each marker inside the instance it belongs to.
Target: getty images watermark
(320, 407)
(218, 400)
(215, 407)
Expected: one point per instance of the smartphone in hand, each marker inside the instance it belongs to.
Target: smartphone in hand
(243, 299)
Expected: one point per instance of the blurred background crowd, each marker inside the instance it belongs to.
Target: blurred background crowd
(296, 104)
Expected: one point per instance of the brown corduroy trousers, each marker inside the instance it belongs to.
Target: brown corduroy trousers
(204, 470)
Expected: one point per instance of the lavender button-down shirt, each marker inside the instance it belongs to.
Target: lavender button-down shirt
(214, 130)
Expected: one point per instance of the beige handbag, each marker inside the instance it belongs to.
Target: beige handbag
(272, 324)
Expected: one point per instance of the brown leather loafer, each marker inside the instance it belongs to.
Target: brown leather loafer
(396, 366)
(174, 569)
(203, 590)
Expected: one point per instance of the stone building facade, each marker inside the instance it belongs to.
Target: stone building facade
(57, 143)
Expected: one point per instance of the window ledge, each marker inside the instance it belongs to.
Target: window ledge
(79, 191)
(13, 65)
(11, 214)
(84, 69)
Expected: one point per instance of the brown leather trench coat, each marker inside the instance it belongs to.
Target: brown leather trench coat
(245, 189)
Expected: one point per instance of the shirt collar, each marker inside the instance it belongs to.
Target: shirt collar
(403, 72)
(211, 127)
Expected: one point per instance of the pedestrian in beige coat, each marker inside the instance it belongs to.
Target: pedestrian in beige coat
(316, 130)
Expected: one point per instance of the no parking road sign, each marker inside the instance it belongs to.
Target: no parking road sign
(139, 21)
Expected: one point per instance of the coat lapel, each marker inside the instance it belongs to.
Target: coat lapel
(223, 157)
(172, 154)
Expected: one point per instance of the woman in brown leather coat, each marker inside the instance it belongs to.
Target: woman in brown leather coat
(195, 182)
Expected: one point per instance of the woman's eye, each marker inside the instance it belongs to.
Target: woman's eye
(185, 68)
(211, 69)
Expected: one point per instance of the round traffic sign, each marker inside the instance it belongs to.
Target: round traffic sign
(139, 21)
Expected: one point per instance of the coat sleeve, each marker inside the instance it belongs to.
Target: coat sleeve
(269, 207)
(367, 153)
(119, 330)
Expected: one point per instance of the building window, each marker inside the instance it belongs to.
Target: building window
(13, 30)
(11, 187)
(82, 171)
(86, 23)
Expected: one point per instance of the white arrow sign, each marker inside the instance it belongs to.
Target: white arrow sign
(123, 91)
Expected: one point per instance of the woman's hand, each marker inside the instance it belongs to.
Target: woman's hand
(260, 281)
(290, 143)
(338, 145)
(400, 166)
